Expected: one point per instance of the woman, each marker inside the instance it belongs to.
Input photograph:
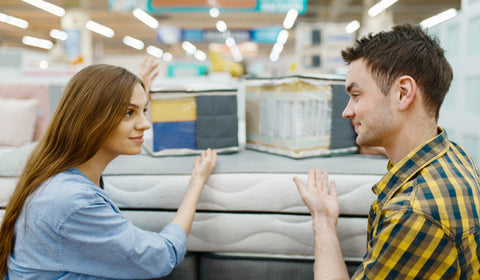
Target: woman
(60, 223)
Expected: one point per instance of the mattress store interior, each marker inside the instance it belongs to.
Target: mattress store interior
(261, 81)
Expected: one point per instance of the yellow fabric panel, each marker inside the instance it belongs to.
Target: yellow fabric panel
(174, 110)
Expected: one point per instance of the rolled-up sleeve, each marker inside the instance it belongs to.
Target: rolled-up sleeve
(98, 239)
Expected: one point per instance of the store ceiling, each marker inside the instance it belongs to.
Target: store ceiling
(41, 22)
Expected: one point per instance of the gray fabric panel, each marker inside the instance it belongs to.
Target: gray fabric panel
(217, 121)
(343, 134)
(217, 143)
(216, 104)
(217, 126)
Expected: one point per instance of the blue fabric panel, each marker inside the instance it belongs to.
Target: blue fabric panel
(343, 134)
(174, 135)
(217, 121)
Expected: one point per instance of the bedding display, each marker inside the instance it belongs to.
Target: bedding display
(186, 121)
(298, 116)
(249, 209)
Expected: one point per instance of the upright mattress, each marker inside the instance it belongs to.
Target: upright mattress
(249, 206)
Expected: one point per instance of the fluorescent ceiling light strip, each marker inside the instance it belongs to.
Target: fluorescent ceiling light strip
(290, 18)
(100, 29)
(133, 42)
(441, 17)
(46, 6)
(154, 51)
(145, 18)
(189, 47)
(58, 34)
(282, 37)
(230, 42)
(200, 55)
(167, 57)
(352, 26)
(214, 12)
(380, 7)
(36, 42)
(18, 22)
(221, 26)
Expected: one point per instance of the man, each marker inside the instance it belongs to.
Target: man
(424, 223)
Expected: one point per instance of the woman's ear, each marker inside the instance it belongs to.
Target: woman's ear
(407, 91)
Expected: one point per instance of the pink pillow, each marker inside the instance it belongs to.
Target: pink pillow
(17, 121)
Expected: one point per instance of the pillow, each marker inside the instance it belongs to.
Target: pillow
(17, 121)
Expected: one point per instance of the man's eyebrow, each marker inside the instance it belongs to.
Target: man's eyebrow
(350, 86)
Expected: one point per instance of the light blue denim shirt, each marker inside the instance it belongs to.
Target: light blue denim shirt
(71, 229)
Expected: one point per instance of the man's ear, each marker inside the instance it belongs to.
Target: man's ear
(407, 91)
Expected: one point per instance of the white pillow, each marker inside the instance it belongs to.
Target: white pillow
(17, 121)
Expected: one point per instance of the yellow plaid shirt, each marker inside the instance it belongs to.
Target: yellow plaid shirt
(425, 221)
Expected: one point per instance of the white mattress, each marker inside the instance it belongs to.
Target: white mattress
(250, 205)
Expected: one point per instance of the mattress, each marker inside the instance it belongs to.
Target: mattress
(249, 206)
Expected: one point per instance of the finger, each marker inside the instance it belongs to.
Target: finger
(325, 181)
(311, 178)
(333, 188)
(300, 185)
(197, 161)
(214, 152)
(203, 155)
(144, 61)
(318, 177)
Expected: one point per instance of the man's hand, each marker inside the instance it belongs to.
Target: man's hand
(321, 202)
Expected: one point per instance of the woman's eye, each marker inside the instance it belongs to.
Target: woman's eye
(129, 113)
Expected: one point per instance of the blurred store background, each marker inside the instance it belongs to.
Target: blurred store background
(222, 41)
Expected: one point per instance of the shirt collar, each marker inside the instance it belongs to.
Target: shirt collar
(415, 161)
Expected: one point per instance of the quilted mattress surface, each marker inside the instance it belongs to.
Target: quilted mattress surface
(250, 205)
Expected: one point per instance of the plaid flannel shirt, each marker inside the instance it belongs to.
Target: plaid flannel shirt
(424, 223)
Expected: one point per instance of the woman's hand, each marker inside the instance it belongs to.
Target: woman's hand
(204, 166)
(148, 72)
(321, 202)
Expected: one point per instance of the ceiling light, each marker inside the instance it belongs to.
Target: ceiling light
(36, 42)
(145, 18)
(282, 37)
(230, 42)
(167, 57)
(214, 12)
(380, 7)
(46, 6)
(133, 42)
(18, 22)
(277, 48)
(274, 56)
(100, 29)
(189, 47)
(290, 18)
(221, 26)
(352, 26)
(154, 51)
(441, 17)
(58, 34)
(200, 55)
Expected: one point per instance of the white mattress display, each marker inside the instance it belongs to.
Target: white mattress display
(249, 206)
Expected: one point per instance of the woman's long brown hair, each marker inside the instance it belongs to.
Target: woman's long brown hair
(92, 105)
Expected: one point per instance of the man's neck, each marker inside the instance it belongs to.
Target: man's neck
(409, 138)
